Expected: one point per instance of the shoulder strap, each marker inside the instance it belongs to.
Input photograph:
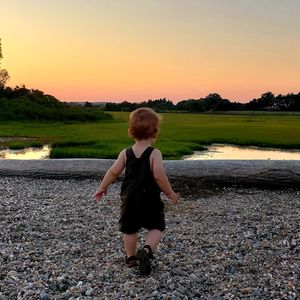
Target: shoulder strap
(146, 154)
(129, 153)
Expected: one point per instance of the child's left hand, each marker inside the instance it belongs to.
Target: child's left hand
(100, 193)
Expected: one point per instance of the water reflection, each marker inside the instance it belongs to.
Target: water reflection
(220, 151)
(215, 151)
(27, 153)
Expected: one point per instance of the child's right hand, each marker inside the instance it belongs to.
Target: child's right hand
(100, 193)
(173, 197)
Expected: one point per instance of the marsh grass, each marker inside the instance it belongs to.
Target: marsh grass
(180, 133)
(24, 144)
(17, 146)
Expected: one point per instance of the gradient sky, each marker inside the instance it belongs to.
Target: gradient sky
(135, 50)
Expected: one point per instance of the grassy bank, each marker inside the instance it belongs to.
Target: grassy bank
(180, 134)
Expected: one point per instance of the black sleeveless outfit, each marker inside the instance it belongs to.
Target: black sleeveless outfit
(141, 204)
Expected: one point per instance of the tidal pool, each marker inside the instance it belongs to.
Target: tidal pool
(27, 153)
(228, 152)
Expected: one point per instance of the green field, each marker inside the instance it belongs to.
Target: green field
(180, 133)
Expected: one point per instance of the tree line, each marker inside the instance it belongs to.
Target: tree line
(20, 103)
(214, 102)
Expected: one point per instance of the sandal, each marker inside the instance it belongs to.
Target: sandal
(131, 261)
(150, 252)
(144, 258)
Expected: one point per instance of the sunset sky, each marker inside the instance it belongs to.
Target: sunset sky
(135, 50)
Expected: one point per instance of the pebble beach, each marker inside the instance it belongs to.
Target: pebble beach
(56, 242)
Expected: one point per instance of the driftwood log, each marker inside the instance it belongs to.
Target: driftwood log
(262, 173)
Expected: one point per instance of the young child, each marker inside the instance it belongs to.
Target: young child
(144, 180)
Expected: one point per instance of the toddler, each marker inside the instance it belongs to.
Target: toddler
(141, 205)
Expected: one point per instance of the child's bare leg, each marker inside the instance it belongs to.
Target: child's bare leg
(130, 242)
(153, 238)
(144, 255)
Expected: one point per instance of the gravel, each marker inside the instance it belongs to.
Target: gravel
(56, 242)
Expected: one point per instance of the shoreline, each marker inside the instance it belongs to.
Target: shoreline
(250, 173)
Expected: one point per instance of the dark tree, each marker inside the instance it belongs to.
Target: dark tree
(266, 100)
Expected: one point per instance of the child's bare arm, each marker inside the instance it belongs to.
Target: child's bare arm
(161, 178)
(111, 175)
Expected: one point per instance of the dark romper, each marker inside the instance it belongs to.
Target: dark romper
(141, 204)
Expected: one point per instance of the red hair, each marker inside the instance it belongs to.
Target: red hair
(143, 123)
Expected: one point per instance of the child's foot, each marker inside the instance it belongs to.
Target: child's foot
(131, 261)
(144, 257)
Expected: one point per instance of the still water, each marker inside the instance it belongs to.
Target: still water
(215, 151)
(221, 151)
(27, 153)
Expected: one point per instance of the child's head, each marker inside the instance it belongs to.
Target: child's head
(143, 123)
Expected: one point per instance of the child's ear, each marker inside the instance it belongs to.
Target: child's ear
(155, 134)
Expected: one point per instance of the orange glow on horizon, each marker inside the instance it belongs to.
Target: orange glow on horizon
(136, 51)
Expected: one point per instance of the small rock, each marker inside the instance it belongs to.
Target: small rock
(151, 283)
(29, 286)
(127, 285)
(79, 284)
(13, 275)
(194, 277)
(197, 261)
(89, 292)
(247, 291)
(90, 277)
(265, 244)
(44, 296)
(154, 293)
